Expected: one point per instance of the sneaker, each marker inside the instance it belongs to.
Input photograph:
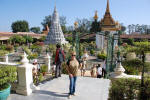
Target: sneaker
(69, 97)
(74, 94)
(59, 76)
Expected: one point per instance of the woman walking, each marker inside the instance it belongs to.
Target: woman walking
(72, 69)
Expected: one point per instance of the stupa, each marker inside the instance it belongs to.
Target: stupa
(55, 35)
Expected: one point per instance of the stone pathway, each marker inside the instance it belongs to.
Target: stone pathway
(87, 89)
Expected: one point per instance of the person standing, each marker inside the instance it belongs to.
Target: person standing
(99, 71)
(93, 71)
(59, 58)
(72, 68)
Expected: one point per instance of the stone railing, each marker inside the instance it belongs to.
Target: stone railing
(24, 84)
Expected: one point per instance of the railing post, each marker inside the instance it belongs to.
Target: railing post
(25, 79)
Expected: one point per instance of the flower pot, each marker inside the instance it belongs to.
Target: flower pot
(5, 93)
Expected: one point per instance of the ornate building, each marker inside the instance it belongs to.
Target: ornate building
(107, 23)
(55, 35)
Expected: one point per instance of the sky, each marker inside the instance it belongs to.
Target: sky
(34, 11)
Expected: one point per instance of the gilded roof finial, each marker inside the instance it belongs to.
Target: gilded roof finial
(107, 9)
(96, 15)
(75, 24)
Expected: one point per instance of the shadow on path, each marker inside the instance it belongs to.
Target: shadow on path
(56, 94)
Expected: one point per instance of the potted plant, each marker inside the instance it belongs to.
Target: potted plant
(7, 75)
(43, 69)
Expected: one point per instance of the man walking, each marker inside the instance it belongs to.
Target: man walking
(59, 58)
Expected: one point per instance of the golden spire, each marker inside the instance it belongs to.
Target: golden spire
(107, 9)
(96, 15)
(75, 24)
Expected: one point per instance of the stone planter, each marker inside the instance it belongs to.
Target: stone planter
(5, 93)
(131, 55)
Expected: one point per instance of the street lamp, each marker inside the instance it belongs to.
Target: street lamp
(112, 41)
(76, 39)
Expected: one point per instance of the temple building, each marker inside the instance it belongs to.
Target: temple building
(55, 34)
(107, 23)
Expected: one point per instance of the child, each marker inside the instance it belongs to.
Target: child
(93, 71)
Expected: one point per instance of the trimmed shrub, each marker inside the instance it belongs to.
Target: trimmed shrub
(128, 89)
(92, 52)
(132, 67)
(33, 56)
(101, 56)
(3, 52)
(43, 68)
(7, 75)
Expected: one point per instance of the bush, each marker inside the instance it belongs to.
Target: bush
(43, 68)
(64, 65)
(3, 52)
(132, 67)
(41, 77)
(9, 48)
(101, 56)
(3, 47)
(92, 52)
(7, 75)
(128, 89)
(28, 51)
(33, 56)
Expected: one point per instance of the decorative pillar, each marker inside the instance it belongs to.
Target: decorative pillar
(25, 78)
(48, 62)
(6, 58)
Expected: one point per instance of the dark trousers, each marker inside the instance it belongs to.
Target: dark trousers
(99, 76)
(58, 69)
(72, 85)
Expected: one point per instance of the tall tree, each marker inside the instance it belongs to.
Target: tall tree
(35, 29)
(20, 26)
(47, 21)
(95, 27)
(84, 25)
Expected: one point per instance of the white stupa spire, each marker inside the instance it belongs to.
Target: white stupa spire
(55, 34)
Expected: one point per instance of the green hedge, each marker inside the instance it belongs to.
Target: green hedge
(101, 56)
(7, 75)
(128, 89)
(134, 67)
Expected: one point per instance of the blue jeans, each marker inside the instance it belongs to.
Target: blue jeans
(72, 84)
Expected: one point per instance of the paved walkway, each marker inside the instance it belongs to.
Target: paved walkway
(87, 89)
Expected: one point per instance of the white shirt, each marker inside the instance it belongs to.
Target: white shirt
(99, 70)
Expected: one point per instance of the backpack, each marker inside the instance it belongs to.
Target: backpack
(60, 56)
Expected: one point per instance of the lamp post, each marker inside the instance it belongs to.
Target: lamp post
(111, 41)
(76, 40)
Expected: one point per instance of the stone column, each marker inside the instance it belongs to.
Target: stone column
(48, 62)
(25, 78)
(6, 58)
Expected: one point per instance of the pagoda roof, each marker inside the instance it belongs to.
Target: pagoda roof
(107, 22)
